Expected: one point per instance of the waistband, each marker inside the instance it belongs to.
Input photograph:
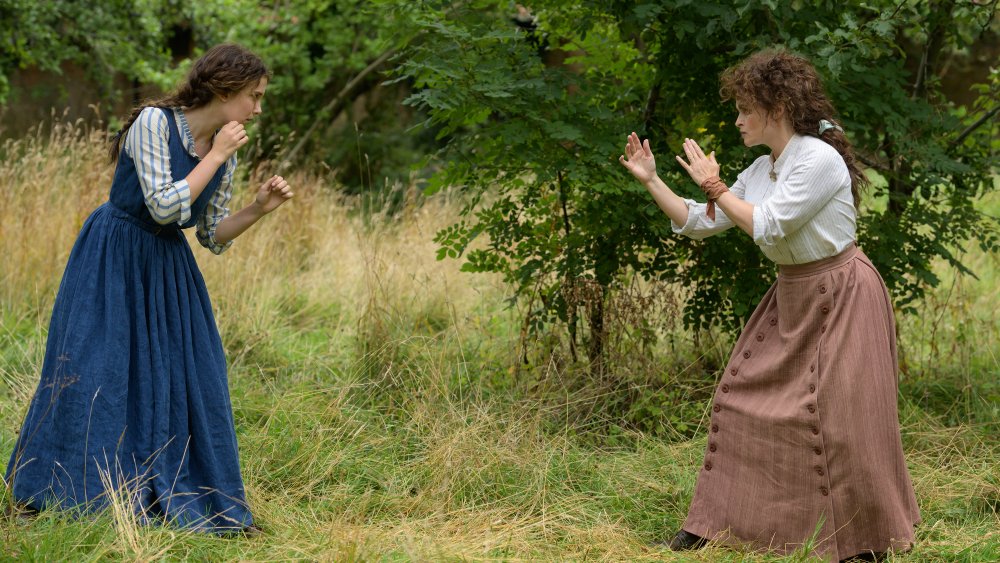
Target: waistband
(822, 265)
(148, 226)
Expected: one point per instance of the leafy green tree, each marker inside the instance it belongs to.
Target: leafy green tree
(107, 39)
(535, 142)
(326, 102)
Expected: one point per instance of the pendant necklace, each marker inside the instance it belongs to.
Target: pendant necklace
(772, 173)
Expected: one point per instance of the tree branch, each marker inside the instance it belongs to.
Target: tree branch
(978, 123)
(571, 308)
(333, 104)
(652, 100)
(989, 20)
(940, 12)
(898, 7)
(870, 162)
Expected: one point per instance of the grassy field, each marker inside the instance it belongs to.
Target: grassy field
(383, 412)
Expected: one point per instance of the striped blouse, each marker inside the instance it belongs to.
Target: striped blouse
(807, 214)
(169, 199)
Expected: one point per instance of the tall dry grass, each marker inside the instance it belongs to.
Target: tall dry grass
(380, 414)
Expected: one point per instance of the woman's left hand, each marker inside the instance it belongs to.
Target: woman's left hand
(273, 193)
(699, 166)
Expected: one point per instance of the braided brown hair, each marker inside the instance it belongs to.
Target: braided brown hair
(776, 81)
(223, 70)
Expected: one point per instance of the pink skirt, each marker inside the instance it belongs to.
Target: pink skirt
(804, 446)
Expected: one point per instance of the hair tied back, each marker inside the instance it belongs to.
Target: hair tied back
(826, 125)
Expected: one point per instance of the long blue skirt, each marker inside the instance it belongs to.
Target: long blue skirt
(133, 402)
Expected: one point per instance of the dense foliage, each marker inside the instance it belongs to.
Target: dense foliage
(107, 39)
(536, 119)
(533, 115)
(326, 103)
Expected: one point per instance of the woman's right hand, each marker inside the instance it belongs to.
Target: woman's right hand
(229, 139)
(640, 161)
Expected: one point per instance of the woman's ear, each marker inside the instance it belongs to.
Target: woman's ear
(777, 116)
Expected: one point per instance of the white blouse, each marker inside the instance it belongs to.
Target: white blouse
(167, 198)
(805, 215)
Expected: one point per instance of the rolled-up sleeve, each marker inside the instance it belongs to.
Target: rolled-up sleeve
(147, 143)
(216, 211)
(804, 192)
(698, 225)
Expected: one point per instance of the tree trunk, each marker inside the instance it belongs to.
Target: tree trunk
(901, 186)
(595, 352)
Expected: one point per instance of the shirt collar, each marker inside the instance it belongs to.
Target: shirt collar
(187, 138)
(790, 148)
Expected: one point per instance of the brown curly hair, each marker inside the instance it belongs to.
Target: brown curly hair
(776, 81)
(223, 70)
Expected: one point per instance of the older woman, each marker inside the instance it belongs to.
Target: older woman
(804, 446)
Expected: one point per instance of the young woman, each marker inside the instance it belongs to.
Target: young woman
(133, 402)
(804, 443)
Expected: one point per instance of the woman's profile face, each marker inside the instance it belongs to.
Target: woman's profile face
(244, 105)
(752, 124)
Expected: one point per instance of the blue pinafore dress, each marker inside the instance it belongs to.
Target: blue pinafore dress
(133, 403)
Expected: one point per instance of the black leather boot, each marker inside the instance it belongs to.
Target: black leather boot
(685, 541)
(866, 556)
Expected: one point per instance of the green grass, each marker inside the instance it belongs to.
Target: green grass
(384, 413)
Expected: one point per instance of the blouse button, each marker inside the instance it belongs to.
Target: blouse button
(822, 289)
(746, 354)
(822, 328)
(708, 466)
(773, 321)
(812, 388)
(715, 428)
(725, 388)
(825, 309)
(815, 430)
(760, 337)
(811, 408)
(819, 470)
(817, 451)
(712, 447)
(824, 490)
(716, 408)
(812, 368)
(733, 371)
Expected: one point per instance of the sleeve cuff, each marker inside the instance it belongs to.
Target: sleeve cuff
(692, 219)
(212, 245)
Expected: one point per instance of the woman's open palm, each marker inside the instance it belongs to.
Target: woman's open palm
(638, 159)
(698, 165)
